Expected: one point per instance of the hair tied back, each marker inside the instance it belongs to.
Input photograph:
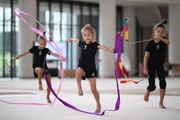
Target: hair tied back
(44, 33)
(164, 22)
(88, 25)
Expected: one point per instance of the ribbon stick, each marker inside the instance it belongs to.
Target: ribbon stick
(140, 41)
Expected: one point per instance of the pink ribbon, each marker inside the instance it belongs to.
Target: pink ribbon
(56, 48)
(55, 94)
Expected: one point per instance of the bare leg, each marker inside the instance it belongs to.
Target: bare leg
(162, 94)
(146, 96)
(79, 73)
(94, 91)
(39, 72)
(48, 89)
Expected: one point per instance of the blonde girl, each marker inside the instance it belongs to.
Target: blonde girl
(86, 67)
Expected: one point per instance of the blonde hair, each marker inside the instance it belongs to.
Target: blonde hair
(161, 25)
(91, 29)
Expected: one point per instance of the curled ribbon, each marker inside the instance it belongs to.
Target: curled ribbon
(56, 48)
(77, 109)
(56, 93)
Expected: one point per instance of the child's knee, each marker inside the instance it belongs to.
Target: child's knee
(151, 88)
(38, 70)
(79, 72)
(94, 91)
(162, 84)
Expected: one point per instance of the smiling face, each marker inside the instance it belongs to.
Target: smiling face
(160, 32)
(42, 43)
(88, 36)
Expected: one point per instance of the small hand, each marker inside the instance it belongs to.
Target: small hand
(159, 38)
(145, 71)
(111, 50)
(70, 40)
(17, 57)
(63, 58)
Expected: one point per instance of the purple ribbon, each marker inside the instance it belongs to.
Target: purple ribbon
(117, 49)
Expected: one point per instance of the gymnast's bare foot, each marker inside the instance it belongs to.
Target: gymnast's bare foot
(162, 106)
(40, 87)
(48, 100)
(80, 92)
(98, 109)
(146, 97)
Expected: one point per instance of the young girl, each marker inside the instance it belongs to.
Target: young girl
(86, 67)
(154, 60)
(39, 52)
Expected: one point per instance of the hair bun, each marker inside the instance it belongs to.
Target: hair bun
(164, 22)
(87, 25)
(44, 33)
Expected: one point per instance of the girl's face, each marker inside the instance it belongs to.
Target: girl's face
(42, 43)
(159, 32)
(87, 36)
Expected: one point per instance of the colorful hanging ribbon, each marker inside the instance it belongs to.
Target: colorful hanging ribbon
(119, 39)
(125, 28)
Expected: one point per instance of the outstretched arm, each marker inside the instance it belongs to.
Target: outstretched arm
(166, 41)
(105, 48)
(73, 40)
(22, 54)
(58, 56)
